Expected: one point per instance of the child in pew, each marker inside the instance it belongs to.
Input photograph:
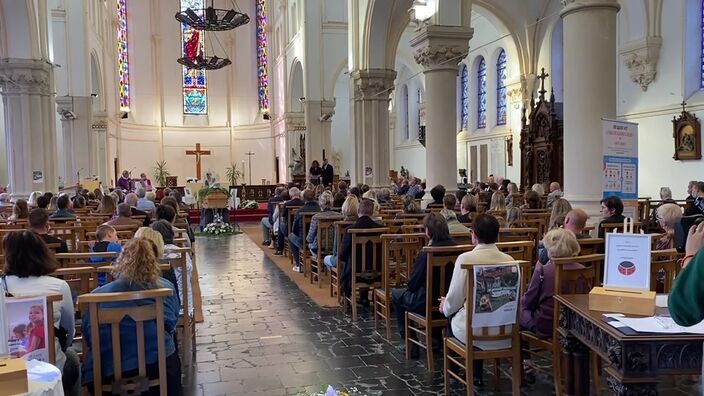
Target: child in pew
(106, 241)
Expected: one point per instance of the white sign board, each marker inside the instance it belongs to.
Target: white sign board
(627, 261)
(620, 162)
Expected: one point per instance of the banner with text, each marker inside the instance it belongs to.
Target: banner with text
(620, 164)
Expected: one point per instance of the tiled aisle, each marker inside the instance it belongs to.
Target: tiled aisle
(262, 336)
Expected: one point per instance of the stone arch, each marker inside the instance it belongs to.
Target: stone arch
(296, 90)
(330, 86)
(383, 28)
(96, 79)
(20, 35)
(556, 63)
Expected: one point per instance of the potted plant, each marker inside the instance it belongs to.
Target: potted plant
(160, 173)
(233, 175)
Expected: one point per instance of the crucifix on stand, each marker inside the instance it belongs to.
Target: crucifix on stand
(198, 152)
(250, 154)
(542, 76)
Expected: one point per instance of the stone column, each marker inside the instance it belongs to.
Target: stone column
(439, 49)
(370, 121)
(26, 86)
(79, 148)
(99, 130)
(589, 34)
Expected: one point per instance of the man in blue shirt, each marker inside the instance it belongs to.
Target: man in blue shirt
(64, 209)
(142, 202)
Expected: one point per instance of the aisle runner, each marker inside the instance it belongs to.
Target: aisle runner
(319, 295)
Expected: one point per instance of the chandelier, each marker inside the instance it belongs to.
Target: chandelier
(204, 62)
(212, 19)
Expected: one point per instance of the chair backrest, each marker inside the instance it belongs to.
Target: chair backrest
(440, 264)
(81, 280)
(569, 279)
(366, 252)
(462, 238)
(518, 234)
(417, 216)
(412, 228)
(519, 250)
(399, 253)
(484, 298)
(536, 222)
(306, 219)
(618, 227)
(84, 259)
(663, 265)
(340, 229)
(396, 225)
(325, 235)
(291, 214)
(589, 246)
(112, 317)
(181, 262)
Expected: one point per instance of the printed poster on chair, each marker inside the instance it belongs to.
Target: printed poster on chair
(496, 292)
(27, 328)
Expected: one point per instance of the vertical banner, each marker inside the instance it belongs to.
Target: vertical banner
(620, 163)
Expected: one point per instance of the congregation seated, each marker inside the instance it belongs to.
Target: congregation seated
(438, 194)
(512, 195)
(538, 188)
(412, 297)
(498, 203)
(338, 199)
(136, 269)
(42, 202)
(401, 188)
(325, 201)
(39, 224)
(696, 203)
(575, 221)
(537, 306)
(611, 213)
(485, 234)
(409, 205)
(448, 212)
(144, 203)
(514, 217)
(124, 217)
(165, 229)
(20, 211)
(559, 210)
(668, 216)
(295, 200)
(532, 200)
(356, 191)
(554, 195)
(105, 241)
(384, 195)
(108, 205)
(268, 221)
(63, 211)
(349, 211)
(295, 240)
(28, 268)
(342, 187)
(364, 221)
(31, 201)
(131, 200)
(468, 208)
(79, 202)
(5, 200)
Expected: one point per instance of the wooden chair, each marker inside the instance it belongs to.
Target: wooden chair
(462, 238)
(412, 228)
(518, 234)
(589, 246)
(340, 229)
(66, 260)
(663, 262)
(399, 253)
(618, 227)
(396, 225)
(186, 325)
(112, 317)
(324, 239)
(519, 250)
(366, 251)
(419, 328)
(564, 279)
(463, 355)
(418, 216)
(303, 253)
(289, 218)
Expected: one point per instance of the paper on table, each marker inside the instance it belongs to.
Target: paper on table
(659, 324)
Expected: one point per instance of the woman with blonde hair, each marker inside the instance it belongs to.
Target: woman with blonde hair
(668, 215)
(107, 205)
(498, 202)
(409, 204)
(349, 211)
(537, 303)
(53, 206)
(514, 217)
(560, 208)
(539, 188)
(152, 235)
(137, 269)
(20, 211)
(32, 201)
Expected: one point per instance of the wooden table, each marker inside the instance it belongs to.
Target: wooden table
(633, 361)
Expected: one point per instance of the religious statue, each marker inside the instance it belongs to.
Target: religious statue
(687, 135)
(299, 160)
(404, 172)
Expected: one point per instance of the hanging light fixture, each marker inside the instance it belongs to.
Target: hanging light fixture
(213, 19)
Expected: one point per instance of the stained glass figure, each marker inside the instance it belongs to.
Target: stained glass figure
(481, 94)
(464, 97)
(501, 88)
(262, 60)
(123, 67)
(195, 87)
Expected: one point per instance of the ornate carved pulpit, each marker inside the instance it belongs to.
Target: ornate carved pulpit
(542, 140)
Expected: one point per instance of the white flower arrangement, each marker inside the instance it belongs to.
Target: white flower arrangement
(218, 227)
(248, 204)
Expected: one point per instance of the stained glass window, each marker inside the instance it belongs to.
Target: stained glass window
(702, 45)
(419, 98)
(195, 93)
(262, 61)
(481, 94)
(501, 89)
(464, 97)
(123, 67)
(406, 133)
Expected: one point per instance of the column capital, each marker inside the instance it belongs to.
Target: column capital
(572, 6)
(25, 76)
(373, 84)
(441, 47)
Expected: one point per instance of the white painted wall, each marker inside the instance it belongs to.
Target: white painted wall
(340, 134)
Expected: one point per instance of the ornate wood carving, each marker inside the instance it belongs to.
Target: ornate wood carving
(686, 131)
(541, 140)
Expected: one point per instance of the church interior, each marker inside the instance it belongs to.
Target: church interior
(320, 197)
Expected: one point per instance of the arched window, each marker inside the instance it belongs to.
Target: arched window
(262, 58)
(481, 94)
(464, 97)
(404, 113)
(702, 44)
(501, 89)
(419, 98)
(123, 64)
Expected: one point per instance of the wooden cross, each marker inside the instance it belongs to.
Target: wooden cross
(683, 104)
(198, 152)
(542, 78)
